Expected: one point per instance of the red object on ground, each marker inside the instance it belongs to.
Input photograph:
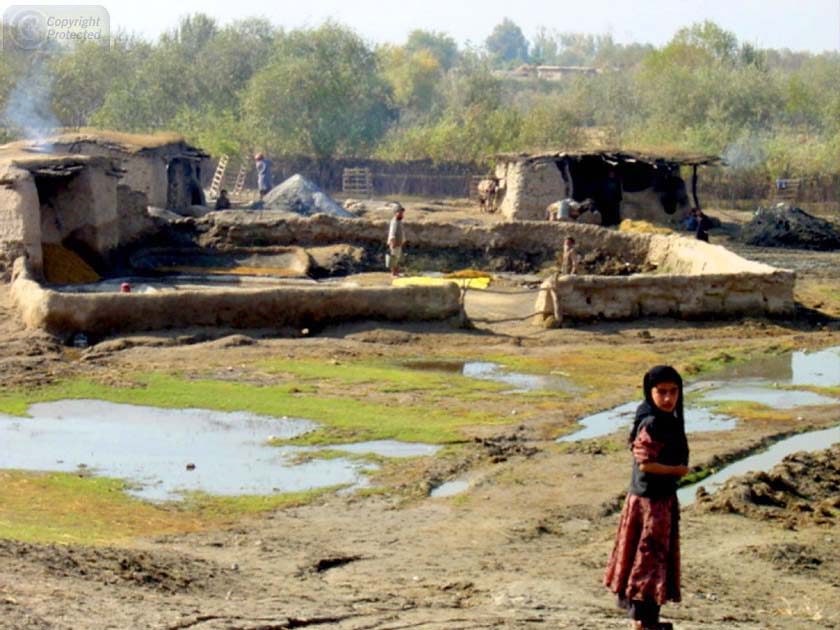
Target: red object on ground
(125, 287)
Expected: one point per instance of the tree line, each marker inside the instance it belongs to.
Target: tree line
(325, 92)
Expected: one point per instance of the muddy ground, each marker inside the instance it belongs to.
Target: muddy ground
(525, 547)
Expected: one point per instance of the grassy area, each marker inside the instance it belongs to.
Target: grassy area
(71, 508)
(345, 419)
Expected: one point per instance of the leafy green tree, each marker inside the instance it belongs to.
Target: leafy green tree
(414, 77)
(507, 44)
(439, 45)
(321, 94)
(84, 76)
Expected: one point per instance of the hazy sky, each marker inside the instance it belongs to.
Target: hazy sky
(801, 25)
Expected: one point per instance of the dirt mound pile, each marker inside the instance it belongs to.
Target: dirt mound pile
(787, 226)
(61, 266)
(801, 489)
(299, 195)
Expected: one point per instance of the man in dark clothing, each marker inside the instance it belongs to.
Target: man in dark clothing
(610, 202)
(223, 202)
(703, 225)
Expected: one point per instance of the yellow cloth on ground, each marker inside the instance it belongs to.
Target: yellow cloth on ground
(424, 281)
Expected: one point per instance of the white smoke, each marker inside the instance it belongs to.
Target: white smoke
(28, 111)
(748, 151)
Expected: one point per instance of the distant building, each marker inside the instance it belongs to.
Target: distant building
(88, 191)
(648, 186)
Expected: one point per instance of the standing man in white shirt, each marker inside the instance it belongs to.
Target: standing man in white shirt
(396, 240)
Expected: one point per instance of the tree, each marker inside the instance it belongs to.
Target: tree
(439, 45)
(414, 77)
(321, 94)
(506, 44)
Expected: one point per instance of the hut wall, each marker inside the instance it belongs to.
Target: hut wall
(530, 188)
(20, 225)
(79, 211)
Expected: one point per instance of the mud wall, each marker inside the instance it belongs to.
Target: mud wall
(529, 189)
(276, 306)
(694, 280)
(709, 296)
(266, 228)
(20, 223)
(82, 208)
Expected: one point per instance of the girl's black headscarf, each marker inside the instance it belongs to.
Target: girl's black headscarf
(655, 376)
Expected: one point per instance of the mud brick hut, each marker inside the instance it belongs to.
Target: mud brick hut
(88, 191)
(624, 184)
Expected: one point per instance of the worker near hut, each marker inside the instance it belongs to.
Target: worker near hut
(567, 209)
(396, 240)
(610, 199)
(571, 259)
(703, 225)
(223, 202)
(264, 182)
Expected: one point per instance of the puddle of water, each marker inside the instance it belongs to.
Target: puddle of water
(151, 448)
(820, 368)
(778, 398)
(489, 371)
(764, 461)
(450, 488)
(697, 420)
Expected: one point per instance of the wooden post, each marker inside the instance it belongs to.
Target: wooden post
(694, 187)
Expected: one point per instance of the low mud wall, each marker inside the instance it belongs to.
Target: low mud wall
(246, 307)
(694, 280)
(710, 296)
(266, 228)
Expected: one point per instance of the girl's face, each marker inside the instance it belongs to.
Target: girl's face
(665, 396)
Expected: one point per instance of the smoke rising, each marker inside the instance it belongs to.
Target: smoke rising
(28, 111)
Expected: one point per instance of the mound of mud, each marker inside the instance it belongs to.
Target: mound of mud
(802, 489)
(602, 263)
(170, 573)
(299, 195)
(786, 226)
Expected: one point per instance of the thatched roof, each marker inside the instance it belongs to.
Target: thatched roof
(118, 141)
(650, 156)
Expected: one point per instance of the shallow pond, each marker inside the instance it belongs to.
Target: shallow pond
(764, 461)
(490, 371)
(152, 447)
(697, 419)
(755, 384)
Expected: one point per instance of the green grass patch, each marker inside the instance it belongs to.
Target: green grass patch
(751, 411)
(224, 508)
(68, 508)
(346, 419)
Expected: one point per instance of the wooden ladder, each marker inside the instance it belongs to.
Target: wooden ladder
(219, 175)
(239, 185)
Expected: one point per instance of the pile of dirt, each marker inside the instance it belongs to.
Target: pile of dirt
(787, 226)
(62, 266)
(801, 489)
(299, 195)
(601, 263)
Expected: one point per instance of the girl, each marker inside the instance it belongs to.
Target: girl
(644, 567)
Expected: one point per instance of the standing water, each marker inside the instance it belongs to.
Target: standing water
(164, 453)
